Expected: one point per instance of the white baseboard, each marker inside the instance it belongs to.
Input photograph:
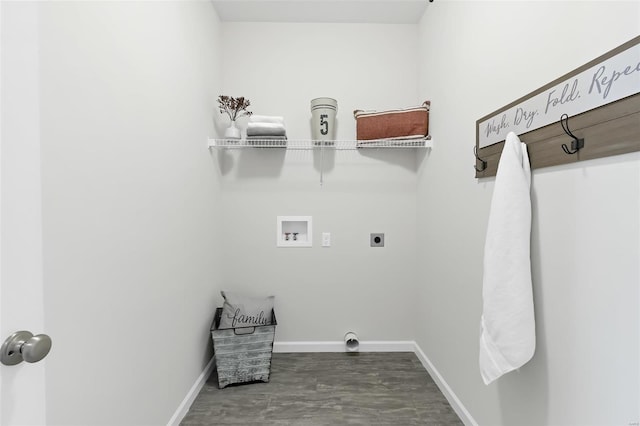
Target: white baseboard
(339, 346)
(444, 387)
(183, 408)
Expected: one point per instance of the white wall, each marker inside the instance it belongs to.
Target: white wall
(323, 292)
(585, 245)
(130, 205)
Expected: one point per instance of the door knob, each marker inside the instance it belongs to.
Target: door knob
(24, 346)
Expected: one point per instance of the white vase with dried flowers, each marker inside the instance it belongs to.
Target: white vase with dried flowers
(234, 108)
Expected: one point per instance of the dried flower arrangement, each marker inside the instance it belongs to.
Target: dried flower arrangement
(234, 107)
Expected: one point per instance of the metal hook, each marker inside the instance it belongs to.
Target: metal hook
(576, 144)
(484, 163)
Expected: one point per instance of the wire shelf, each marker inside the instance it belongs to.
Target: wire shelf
(306, 144)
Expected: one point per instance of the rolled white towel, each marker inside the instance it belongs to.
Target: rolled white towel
(268, 138)
(266, 119)
(266, 129)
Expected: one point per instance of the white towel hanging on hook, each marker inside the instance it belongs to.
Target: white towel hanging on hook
(507, 337)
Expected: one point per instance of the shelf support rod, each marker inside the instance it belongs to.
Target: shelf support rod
(321, 163)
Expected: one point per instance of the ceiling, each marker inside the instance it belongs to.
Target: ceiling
(338, 11)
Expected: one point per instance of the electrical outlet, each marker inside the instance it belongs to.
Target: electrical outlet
(377, 240)
(326, 239)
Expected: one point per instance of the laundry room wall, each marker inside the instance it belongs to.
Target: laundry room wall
(323, 292)
(130, 205)
(475, 58)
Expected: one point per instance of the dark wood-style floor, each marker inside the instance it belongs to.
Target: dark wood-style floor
(310, 389)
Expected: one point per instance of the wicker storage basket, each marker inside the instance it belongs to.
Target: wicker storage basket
(242, 354)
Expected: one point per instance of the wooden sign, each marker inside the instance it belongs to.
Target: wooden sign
(609, 78)
(601, 100)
